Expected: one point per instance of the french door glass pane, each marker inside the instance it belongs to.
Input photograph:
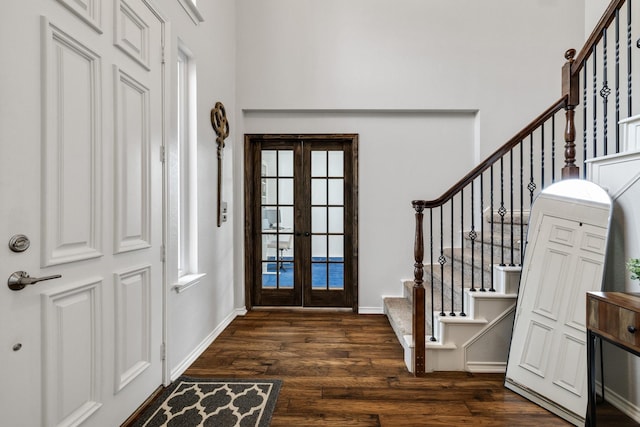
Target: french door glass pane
(318, 191)
(285, 163)
(336, 163)
(269, 193)
(336, 220)
(336, 276)
(336, 248)
(336, 191)
(285, 191)
(318, 163)
(318, 220)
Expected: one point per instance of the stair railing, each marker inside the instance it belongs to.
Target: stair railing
(481, 220)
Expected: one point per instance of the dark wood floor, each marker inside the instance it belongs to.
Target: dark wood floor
(342, 369)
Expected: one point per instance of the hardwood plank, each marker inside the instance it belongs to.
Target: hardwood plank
(313, 420)
(402, 420)
(381, 407)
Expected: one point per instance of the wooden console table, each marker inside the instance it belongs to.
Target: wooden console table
(614, 317)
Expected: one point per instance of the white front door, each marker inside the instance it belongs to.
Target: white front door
(81, 177)
(564, 260)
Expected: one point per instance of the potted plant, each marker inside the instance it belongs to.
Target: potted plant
(633, 265)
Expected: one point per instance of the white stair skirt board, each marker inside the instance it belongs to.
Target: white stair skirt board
(478, 342)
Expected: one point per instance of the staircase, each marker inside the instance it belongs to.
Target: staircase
(466, 268)
(477, 338)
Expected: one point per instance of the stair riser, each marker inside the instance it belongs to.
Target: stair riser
(498, 254)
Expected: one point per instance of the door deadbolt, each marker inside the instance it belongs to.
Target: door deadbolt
(20, 279)
(19, 243)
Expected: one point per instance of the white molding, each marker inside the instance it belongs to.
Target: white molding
(625, 406)
(187, 281)
(142, 239)
(371, 310)
(59, 312)
(630, 131)
(141, 315)
(192, 10)
(487, 367)
(59, 187)
(90, 11)
(204, 344)
(139, 48)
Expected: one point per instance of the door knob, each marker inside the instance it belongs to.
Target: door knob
(20, 279)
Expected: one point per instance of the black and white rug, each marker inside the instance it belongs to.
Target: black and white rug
(191, 402)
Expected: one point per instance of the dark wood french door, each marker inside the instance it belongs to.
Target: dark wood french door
(301, 220)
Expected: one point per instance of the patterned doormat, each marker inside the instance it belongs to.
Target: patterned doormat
(191, 402)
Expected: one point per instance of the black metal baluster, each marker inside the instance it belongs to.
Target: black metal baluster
(462, 253)
(433, 334)
(531, 186)
(472, 236)
(553, 148)
(452, 313)
(482, 289)
(584, 120)
(542, 156)
(502, 211)
(594, 76)
(604, 93)
(629, 59)
(521, 200)
(492, 231)
(442, 261)
(512, 243)
(617, 80)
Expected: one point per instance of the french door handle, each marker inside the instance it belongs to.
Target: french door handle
(20, 279)
(306, 234)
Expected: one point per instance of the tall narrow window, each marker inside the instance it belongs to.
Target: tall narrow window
(186, 196)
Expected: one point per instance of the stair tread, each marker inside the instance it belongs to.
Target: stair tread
(400, 313)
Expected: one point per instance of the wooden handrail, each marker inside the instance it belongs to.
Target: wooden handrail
(486, 164)
(604, 22)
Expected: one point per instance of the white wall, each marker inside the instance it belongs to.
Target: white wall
(198, 314)
(432, 88)
(594, 9)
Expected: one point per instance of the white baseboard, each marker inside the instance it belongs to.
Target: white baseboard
(370, 310)
(200, 348)
(487, 367)
(626, 407)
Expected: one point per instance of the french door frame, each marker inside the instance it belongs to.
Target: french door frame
(253, 223)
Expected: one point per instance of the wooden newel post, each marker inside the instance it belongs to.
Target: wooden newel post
(571, 92)
(418, 318)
